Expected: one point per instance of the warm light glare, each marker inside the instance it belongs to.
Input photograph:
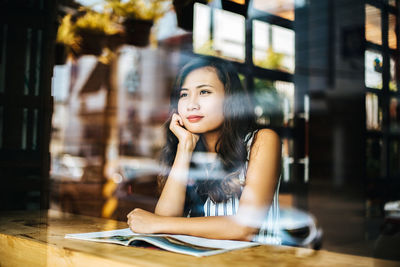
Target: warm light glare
(373, 32)
(392, 32)
(241, 2)
(281, 8)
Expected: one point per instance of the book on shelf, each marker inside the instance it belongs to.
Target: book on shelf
(189, 245)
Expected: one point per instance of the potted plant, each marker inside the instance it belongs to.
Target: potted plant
(92, 29)
(66, 41)
(138, 17)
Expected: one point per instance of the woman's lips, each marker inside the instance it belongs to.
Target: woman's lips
(194, 118)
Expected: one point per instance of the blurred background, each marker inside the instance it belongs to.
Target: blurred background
(84, 94)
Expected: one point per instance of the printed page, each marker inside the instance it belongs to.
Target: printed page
(174, 245)
(191, 245)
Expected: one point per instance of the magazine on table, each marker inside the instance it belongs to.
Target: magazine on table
(190, 245)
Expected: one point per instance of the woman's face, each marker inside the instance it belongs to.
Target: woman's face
(201, 101)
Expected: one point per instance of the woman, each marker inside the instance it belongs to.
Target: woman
(222, 176)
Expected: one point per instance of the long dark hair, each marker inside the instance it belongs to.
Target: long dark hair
(231, 149)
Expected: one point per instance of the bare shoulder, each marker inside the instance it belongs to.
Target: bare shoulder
(266, 141)
(266, 137)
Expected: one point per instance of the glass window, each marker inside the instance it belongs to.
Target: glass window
(228, 39)
(287, 158)
(373, 30)
(373, 156)
(394, 157)
(373, 112)
(286, 90)
(281, 8)
(201, 31)
(373, 69)
(274, 102)
(393, 76)
(261, 41)
(273, 47)
(394, 114)
(283, 43)
(229, 35)
(392, 32)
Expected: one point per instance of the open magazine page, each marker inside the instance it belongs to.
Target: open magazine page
(190, 245)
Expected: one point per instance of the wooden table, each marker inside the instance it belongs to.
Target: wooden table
(37, 239)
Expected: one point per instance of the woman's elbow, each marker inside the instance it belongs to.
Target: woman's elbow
(167, 211)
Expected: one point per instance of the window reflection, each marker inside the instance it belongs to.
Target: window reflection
(392, 32)
(274, 102)
(241, 2)
(394, 157)
(373, 30)
(201, 31)
(108, 126)
(287, 158)
(273, 46)
(373, 112)
(281, 8)
(373, 69)
(228, 33)
(394, 114)
(373, 156)
(393, 76)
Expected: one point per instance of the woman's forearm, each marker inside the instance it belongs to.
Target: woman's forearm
(216, 227)
(172, 199)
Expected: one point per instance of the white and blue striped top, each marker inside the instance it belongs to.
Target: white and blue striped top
(269, 231)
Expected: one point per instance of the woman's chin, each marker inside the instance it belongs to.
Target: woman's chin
(195, 130)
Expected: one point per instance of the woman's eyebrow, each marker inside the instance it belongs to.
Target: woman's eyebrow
(197, 87)
(204, 85)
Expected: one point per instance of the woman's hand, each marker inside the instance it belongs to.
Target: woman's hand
(143, 222)
(187, 140)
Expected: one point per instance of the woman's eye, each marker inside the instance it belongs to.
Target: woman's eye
(204, 92)
(183, 95)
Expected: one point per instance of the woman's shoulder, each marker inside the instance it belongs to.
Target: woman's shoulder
(266, 137)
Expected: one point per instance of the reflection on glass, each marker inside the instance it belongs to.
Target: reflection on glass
(241, 2)
(274, 102)
(394, 157)
(242, 78)
(281, 8)
(373, 69)
(392, 2)
(201, 29)
(110, 137)
(373, 31)
(373, 157)
(392, 32)
(394, 114)
(287, 158)
(229, 35)
(373, 112)
(286, 90)
(228, 38)
(273, 46)
(393, 76)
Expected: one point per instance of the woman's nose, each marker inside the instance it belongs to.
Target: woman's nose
(193, 104)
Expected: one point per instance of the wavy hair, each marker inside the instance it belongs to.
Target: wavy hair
(239, 120)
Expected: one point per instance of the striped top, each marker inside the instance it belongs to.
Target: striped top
(269, 230)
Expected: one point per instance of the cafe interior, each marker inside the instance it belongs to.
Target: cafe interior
(84, 97)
